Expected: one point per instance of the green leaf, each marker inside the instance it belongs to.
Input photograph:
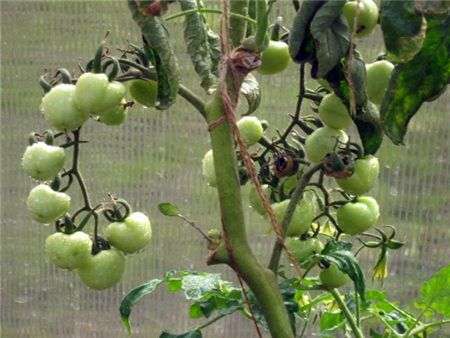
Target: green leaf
(331, 36)
(190, 334)
(198, 47)
(251, 91)
(331, 321)
(159, 50)
(195, 286)
(168, 209)
(403, 29)
(435, 292)
(134, 296)
(422, 79)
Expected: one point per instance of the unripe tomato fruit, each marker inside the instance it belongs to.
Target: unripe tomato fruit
(367, 16)
(322, 142)
(114, 94)
(42, 161)
(303, 250)
(59, 109)
(68, 251)
(103, 270)
(46, 205)
(334, 113)
(332, 277)
(144, 92)
(208, 170)
(131, 235)
(90, 92)
(115, 115)
(275, 58)
(363, 178)
(251, 129)
(378, 76)
(255, 201)
(356, 217)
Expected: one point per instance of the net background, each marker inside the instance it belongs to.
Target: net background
(156, 156)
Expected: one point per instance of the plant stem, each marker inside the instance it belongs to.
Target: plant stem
(238, 25)
(76, 172)
(193, 99)
(425, 327)
(348, 315)
(208, 10)
(211, 321)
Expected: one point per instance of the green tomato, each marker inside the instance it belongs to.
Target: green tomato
(334, 113)
(303, 250)
(59, 109)
(47, 205)
(144, 92)
(367, 16)
(114, 94)
(208, 170)
(42, 161)
(365, 174)
(90, 92)
(332, 277)
(131, 235)
(302, 218)
(255, 201)
(356, 217)
(322, 142)
(251, 129)
(275, 58)
(103, 270)
(114, 116)
(68, 251)
(378, 76)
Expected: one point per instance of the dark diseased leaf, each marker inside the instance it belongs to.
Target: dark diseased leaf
(331, 36)
(168, 209)
(369, 128)
(190, 334)
(251, 91)
(435, 292)
(403, 29)
(197, 42)
(134, 296)
(158, 49)
(423, 78)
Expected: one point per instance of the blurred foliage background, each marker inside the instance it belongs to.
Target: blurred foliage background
(156, 156)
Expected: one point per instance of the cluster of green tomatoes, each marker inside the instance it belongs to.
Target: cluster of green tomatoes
(98, 261)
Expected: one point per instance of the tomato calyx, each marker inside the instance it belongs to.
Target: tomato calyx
(100, 244)
(338, 165)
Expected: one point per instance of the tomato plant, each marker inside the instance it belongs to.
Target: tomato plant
(318, 228)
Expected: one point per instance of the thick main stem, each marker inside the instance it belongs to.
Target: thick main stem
(348, 315)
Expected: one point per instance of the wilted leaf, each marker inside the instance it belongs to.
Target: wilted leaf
(168, 209)
(251, 91)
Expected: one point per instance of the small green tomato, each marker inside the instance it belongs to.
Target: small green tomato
(332, 277)
(303, 250)
(90, 92)
(114, 116)
(275, 58)
(334, 113)
(114, 94)
(378, 76)
(356, 217)
(208, 171)
(68, 251)
(42, 161)
(322, 142)
(251, 129)
(46, 205)
(365, 174)
(367, 16)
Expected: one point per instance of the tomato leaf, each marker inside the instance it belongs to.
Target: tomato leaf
(134, 296)
(198, 47)
(159, 50)
(190, 334)
(168, 209)
(403, 29)
(251, 91)
(435, 292)
(331, 321)
(423, 78)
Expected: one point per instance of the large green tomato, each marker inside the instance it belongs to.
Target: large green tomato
(356, 217)
(365, 174)
(322, 142)
(303, 250)
(47, 205)
(251, 129)
(255, 201)
(334, 113)
(115, 115)
(208, 169)
(144, 91)
(275, 58)
(103, 270)
(114, 94)
(367, 16)
(131, 235)
(42, 161)
(68, 251)
(59, 109)
(332, 277)
(378, 76)
(90, 92)
(301, 219)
